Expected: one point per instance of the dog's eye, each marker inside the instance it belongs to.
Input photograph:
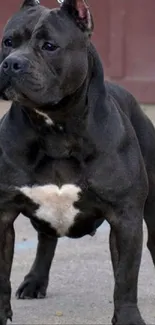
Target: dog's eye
(7, 42)
(49, 47)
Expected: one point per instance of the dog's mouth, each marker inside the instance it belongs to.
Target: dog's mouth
(4, 84)
(25, 91)
(10, 90)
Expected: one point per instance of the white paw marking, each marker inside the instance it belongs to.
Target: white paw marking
(55, 204)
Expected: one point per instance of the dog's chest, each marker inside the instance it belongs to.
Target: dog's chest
(61, 207)
(55, 205)
(67, 210)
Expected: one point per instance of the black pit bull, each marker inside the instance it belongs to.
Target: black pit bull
(75, 151)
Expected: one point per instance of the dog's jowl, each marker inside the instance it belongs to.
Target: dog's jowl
(74, 151)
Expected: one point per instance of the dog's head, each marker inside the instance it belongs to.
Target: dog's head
(44, 52)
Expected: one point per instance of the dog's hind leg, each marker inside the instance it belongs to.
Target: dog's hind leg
(36, 281)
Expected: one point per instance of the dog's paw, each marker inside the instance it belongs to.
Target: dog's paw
(33, 287)
(128, 315)
(5, 315)
(5, 304)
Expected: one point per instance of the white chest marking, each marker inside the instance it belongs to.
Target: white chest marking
(55, 204)
(46, 117)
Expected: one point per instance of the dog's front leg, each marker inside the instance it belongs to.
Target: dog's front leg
(7, 237)
(126, 247)
(36, 281)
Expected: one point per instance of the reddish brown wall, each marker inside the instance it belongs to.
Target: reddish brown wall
(125, 37)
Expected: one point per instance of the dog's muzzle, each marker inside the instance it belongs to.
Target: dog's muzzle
(13, 66)
(11, 69)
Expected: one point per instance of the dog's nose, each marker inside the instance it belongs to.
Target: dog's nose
(13, 65)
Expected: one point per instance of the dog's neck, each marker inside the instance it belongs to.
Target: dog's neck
(69, 115)
(71, 107)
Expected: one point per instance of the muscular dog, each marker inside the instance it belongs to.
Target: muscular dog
(74, 151)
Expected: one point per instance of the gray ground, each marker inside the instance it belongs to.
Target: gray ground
(81, 282)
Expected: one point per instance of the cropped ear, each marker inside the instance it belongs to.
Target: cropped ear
(79, 11)
(30, 3)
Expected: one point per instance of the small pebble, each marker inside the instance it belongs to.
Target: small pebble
(59, 314)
